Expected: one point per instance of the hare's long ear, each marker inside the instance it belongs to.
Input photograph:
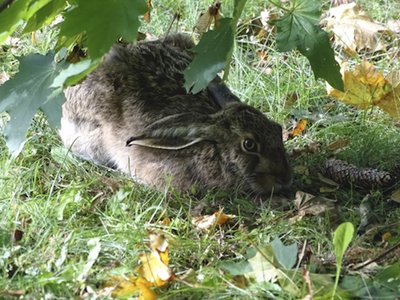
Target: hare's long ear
(220, 93)
(176, 132)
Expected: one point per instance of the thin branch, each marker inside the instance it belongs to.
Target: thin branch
(369, 261)
(5, 4)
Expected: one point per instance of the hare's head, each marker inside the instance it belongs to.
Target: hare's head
(246, 147)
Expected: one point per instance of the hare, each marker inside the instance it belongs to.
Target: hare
(133, 114)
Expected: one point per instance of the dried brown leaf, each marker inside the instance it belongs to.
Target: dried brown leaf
(355, 30)
(308, 204)
(207, 18)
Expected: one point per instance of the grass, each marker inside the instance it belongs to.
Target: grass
(55, 207)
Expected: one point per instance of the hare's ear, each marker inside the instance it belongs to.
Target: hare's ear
(176, 132)
(220, 93)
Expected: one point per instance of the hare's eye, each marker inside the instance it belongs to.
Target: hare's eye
(249, 145)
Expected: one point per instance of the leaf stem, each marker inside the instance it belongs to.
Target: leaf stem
(237, 12)
(279, 6)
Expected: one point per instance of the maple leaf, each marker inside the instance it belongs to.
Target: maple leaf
(354, 30)
(45, 15)
(299, 29)
(213, 53)
(92, 17)
(29, 90)
(366, 87)
(266, 264)
(152, 272)
(211, 56)
(18, 11)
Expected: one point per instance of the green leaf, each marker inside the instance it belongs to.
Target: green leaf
(390, 274)
(104, 22)
(11, 17)
(24, 94)
(211, 56)
(75, 72)
(341, 240)
(299, 29)
(236, 268)
(45, 15)
(286, 255)
(94, 246)
(18, 11)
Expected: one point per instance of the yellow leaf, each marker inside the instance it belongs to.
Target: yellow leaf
(209, 221)
(390, 103)
(154, 269)
(158, 241)
(299, 127)
(133, 285)
(145, 292)
(223, 218)
(364, 86)
(396, 196)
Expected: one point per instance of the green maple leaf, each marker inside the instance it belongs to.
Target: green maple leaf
(17, 12)
(211, 56)
(28, 91)
(45, 15)
(299, 29)
(103, 22)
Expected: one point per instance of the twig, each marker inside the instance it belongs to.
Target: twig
(5, 4)
(370, 261)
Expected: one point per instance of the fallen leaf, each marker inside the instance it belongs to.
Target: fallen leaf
(301, 169)
(265, 264)
(158, 241)
(127, 287)
(308, 204)
(262, 268)
(285, 134)
(355, 30)
(365, 87)
(212, 14)
(147, 16)
(338, 144)
(291, 99)
(394, 25)
(155, 268)
(153, 271)
(386, 236)
(327, 181)
(299, 127)
(396, 196)
(210, 221)
(14, 293)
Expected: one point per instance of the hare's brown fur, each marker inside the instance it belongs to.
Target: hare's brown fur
(134, 114)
